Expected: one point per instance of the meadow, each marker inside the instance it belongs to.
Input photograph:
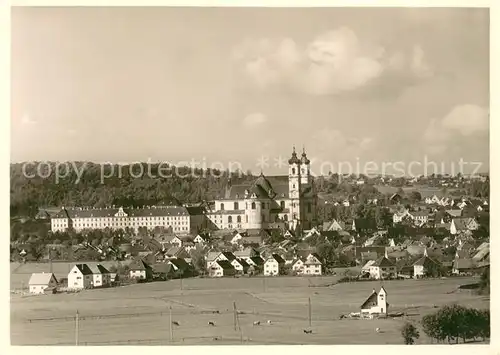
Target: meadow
(140, 314)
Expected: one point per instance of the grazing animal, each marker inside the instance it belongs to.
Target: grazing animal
(212, 324)
(256, 323)
(269, 322)
(308, 331)
(377, 330)
(175, 323)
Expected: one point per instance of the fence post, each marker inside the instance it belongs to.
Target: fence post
(77, 321)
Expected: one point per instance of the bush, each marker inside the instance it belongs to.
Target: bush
(409, 333)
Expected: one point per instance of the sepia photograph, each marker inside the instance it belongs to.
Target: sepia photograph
(249, 176)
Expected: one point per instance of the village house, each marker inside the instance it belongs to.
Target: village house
(202, 239)
(169, 240)
(240, 265)
(463, 224)
(273, 265)
(399, 216)
(420, 217)
(463, 266)
(141, 270)
(41, 282)
(312, 265)
(424, 265)
(178, 267)
(220, 268)
(216, 256)
(376, 303)
(383, 268)
(80, 277)
(100, 275)
(334, 225)
(297, 265)
(246, 254)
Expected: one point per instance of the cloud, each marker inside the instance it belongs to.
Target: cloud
(331, 143)
(464, 123)
(333, 62)
(254, 119)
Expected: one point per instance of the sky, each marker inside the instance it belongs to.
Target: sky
(245, 85)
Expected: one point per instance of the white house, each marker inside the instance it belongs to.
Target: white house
(273, 264)
(41, 281)
(219, 256)
(240, 265)
(80, 277)
(398, 217)
(140, 270)
(100, 275)
(382, 268)
(420, 217)
(422, 265)
(376, 303)
(297, 265)
(220, 268)
(201, 239)
(312, 265)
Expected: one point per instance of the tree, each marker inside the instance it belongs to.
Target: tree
(409, 333)
(198, 260)
(415, 196)
(484, 282)
(326, 252)
(456, 322)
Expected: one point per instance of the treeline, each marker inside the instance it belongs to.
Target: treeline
(455, 323)
(89, 184)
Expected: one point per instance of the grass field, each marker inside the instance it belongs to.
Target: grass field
(139, 314)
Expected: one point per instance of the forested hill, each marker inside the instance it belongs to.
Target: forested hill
(90, 184)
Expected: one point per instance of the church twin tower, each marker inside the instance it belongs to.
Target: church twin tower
(301, 195)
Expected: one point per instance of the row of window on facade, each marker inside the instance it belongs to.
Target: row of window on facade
(276, 218)
(254, 206)
(110, 219)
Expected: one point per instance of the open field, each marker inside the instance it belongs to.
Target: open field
(139, 314)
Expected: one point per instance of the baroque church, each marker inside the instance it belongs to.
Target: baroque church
(269, 202)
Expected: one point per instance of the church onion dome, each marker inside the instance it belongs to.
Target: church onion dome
(304, 159)
(294, 159)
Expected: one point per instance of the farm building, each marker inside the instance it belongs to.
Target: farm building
(40, 282)
(80, 277)
(376, 303)
(273, 265)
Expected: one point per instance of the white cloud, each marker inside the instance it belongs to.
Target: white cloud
(467, 119)
(254, 119)
(331, 143)
(463, 123)
(335, 61)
